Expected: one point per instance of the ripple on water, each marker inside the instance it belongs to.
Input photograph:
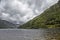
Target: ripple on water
(30, 34)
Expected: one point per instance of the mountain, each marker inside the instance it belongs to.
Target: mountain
(48, 19)
(5, 24)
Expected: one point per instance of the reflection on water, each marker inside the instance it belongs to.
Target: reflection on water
(29, 34)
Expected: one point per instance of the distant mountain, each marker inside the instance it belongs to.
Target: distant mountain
(48, 19)
(6, 24)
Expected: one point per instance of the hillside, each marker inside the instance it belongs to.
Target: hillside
(48, 19)
(5, 24)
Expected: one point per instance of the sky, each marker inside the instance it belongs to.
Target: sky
(21, 11)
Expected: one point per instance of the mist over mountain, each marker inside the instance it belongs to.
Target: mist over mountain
(50, 18)
(21, 11)
(5, 24)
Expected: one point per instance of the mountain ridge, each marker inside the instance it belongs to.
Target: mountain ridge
(48, 19)
(5, 24)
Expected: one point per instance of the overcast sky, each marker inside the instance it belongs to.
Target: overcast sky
(21, 11)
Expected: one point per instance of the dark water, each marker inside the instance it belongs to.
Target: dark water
(29, 34)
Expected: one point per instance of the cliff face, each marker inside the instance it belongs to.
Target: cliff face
(48, 19)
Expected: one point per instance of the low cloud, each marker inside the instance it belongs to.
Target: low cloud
(21, 11)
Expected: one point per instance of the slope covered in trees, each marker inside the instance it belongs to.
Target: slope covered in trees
(49, 19)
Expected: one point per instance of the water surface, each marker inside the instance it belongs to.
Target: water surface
(29, 34)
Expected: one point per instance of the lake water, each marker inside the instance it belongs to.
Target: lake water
(29, 34)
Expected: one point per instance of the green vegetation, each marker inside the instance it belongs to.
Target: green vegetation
(49, 19)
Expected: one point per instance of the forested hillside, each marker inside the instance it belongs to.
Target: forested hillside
(48, 19)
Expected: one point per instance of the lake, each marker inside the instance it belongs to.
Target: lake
(29, 34)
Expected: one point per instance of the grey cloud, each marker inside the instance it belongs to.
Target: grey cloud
(21, 11)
